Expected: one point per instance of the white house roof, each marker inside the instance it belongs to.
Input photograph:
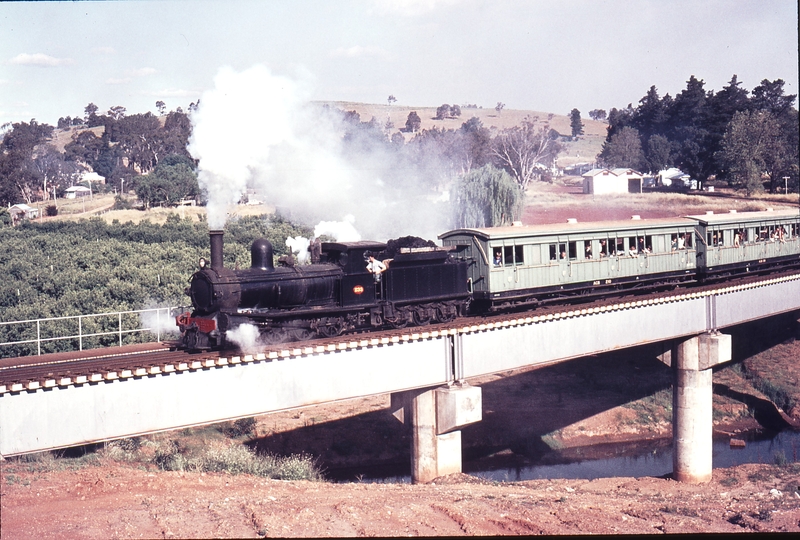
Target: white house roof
(92, 177)
(24, 207)
(626, 172)
(595, 172)
(672, 173)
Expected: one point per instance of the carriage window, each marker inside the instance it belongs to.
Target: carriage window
(603, 248)
(587, 249)
(682, 241)
(558, 252)
(512, 255)
(739, 237)
(619, 247)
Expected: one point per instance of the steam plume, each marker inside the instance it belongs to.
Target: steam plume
(256, 130)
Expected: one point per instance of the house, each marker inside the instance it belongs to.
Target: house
(77, 191)
(605, 181)
(22, 211)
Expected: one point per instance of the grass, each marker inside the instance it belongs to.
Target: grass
(235, 460)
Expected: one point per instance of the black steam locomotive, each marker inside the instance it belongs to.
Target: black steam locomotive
(337, 295)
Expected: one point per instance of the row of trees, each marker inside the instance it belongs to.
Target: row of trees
(733, 135)
(128, 146)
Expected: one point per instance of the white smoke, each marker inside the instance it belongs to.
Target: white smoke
(257, 130)
(342, 231)
(158, 321)
(299, 246)
(246, 336)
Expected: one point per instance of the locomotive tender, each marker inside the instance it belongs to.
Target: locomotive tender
(477, 271)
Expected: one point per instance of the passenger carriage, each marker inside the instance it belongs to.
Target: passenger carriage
(744, 242)
(520, 265)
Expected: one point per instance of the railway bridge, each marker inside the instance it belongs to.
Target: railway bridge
(426, 372)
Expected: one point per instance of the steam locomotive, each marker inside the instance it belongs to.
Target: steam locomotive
(475, 271)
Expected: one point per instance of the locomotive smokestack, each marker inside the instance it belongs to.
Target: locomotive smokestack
(216, 249)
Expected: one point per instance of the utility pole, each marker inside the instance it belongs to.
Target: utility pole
(786, 185)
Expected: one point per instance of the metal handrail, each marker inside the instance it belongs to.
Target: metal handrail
(167, 311)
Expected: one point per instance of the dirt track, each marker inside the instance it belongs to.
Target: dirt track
(114, 502)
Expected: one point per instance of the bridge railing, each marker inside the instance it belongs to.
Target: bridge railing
(58, 334)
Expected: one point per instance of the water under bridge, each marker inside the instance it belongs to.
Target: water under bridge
(426, 372)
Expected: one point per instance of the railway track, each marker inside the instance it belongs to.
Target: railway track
(143, 360)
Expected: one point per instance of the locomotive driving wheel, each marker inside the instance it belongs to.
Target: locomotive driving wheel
(400, 319)
(421, 316)
(330, 326)
(446, 313)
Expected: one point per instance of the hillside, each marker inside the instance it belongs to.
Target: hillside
(585, 149)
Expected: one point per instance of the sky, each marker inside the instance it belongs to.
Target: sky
(550, 56)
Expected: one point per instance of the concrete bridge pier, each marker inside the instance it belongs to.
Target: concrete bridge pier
(435, 416)
(692, 425)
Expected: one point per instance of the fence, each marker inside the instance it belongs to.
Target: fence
(96, 328)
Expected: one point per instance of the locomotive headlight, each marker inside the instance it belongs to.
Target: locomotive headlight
(358, 289)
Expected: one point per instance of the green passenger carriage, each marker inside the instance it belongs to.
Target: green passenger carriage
(531, 264)
(735, 243)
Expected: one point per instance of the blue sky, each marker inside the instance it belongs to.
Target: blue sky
(55, 57)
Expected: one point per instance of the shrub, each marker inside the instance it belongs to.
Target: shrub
(51, 210)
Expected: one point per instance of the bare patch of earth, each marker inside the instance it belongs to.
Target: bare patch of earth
(120, 502)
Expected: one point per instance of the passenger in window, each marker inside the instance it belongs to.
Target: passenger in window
(588, 250)
(674, 243)
(498, 258)
(737, 239)
(632, 251)
(681, 242)
(603, 249)
(563, 255)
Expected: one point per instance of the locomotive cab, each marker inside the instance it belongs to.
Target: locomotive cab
(358, 286)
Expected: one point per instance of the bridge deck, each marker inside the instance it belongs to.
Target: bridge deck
(175, 396)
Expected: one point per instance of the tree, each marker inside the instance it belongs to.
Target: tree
(90, 110)
(623, 150)
(747, 144)
(161, 107)
(486, 197)
(391, 99)
(117, 112)
(443, 111)
(172, 180)
(455, 111)
(525, 150)
(51, 170)
(659, 153)
(413, 122)
(473, 145)
(575, 122)
(597, 114)
(499, 107)
(17, 176)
